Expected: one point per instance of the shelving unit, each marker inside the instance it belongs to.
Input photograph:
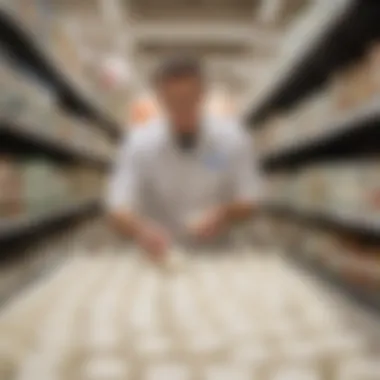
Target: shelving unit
(18, 140)
(360, 225)
(343, 41)
(351, 137)
(29, 224)
(25, 51)
(25, 140)
(356, 133)
(368, 300)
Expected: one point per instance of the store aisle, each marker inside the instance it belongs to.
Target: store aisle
(245, 316)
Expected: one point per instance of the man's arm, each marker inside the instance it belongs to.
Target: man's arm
(236, 211)
(124, 197)
(123, 190)
(245, 183)
(125, 222)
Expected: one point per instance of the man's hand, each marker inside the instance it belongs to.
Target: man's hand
(150, 237)
(153, 240)
(210, 225)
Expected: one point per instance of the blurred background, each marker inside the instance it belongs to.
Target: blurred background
(298, 298)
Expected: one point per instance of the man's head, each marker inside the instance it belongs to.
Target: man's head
(180, 86)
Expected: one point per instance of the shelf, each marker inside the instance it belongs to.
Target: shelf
(23, 49)
(23, 140)
(343, 41)
(361, 225)
(366, 299)
(354, 134)
(25, 225)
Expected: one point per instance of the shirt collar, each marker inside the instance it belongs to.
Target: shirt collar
(203, 134)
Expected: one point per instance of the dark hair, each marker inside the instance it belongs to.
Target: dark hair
(178, 67)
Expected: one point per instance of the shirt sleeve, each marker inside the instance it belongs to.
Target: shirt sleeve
(124, 183)
(246, 178)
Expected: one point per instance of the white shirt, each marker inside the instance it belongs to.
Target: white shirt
(155, 177)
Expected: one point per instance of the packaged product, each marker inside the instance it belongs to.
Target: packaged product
(313, 114)
(363, 272)
(70, 186)
(15, 103)
(279, 133)
(270, 136)
(260, 140)
(32, 180)
(374, 58)
(10, 188)
(300, 194)
(42, 110)
(84, 183)
(323, 111)
(83, 138)
(311, 244)
(28, 12)
(343, 89)
(40, 189)
(6, 81)
(344, 189)
(324, 246)
(371, 190)
(65, 50)
(316, 189)
(361, 263)
(362, 83)
(65, 127)
(74, 185)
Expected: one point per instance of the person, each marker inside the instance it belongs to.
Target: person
(186, 176)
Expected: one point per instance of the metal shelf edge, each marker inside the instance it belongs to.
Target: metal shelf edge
(13, 228)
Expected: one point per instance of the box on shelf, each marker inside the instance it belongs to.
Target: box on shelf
(64, 50)
(374, 58)
(38, 186)
(11, 203)
(353, 86)
(28, 13)
(353, 188)
(350, 89)
(32, 106)
(49, 187)
(84, 183)
(65, 128)
(26, 102)
(350, 260)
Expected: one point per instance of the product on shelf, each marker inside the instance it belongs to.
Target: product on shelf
(350, 260)
(374, 58)
(40, 186)
(48, 187)
(84, 183)
(351, 89)
(29, 13)
(11, 204)
(353, 86)
(31, 106)
(65, 128)
(26, 103)
(64, 49)
(360, 264)
(345, 190)
(14, 101)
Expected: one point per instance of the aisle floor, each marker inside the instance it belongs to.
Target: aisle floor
(115, 317)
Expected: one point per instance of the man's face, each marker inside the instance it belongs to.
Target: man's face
(181, 99)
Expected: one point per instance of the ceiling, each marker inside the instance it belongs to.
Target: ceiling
(236, 38)
(206, 10)
(202, 10)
